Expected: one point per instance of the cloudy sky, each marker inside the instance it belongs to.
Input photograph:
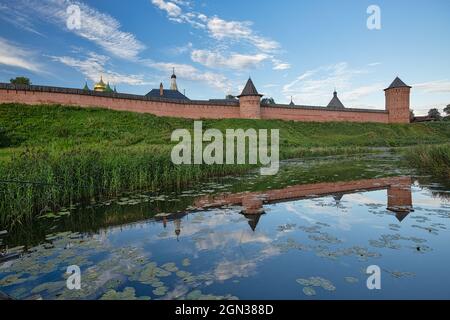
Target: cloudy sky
(303, 49)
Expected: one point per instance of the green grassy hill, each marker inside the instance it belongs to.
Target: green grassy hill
(52, 156)
(66, 127)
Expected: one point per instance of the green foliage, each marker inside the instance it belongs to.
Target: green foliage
(21, 80)
(4, 140)
(435, 114)
(431, 159)
(55, 155)
(268, 101)
(447, 110)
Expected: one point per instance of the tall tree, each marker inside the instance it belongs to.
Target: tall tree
(435, 114)
(268, 101)
(411, 115)
(21, 80)
(447, 110)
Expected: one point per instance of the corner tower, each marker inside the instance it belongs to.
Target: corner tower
(250, 102)
(398, 101)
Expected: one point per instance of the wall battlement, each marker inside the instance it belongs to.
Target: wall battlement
(247, 107)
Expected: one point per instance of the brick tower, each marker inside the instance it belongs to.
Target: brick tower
(250, 102)
(397, 101)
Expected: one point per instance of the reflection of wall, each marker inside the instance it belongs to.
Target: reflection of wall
(399, 194)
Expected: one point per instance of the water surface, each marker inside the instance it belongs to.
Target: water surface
(308, 233)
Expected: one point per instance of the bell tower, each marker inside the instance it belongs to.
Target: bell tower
(173, 81)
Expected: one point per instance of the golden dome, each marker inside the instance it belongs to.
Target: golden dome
(100, 86)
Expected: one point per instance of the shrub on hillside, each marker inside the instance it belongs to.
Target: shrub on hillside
(4, 140)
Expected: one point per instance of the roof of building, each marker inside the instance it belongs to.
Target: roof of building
(397, 83)
(167, 94)
(335, 102)
(423, 119)
(249, 89)
(292, 102)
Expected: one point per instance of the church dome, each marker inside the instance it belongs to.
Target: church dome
(100, 86)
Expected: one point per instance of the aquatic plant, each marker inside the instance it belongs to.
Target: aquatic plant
(433, 159)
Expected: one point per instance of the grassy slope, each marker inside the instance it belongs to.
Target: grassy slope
(78, 154)
(64, 127)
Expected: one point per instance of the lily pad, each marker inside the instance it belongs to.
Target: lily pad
(309, 291)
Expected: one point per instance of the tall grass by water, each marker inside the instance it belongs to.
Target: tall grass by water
(54, 156)
(433, 159)
(38, 181)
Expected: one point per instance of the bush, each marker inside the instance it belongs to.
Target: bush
(4, 139)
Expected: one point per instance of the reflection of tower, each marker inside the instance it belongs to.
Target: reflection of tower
(400, 198)
(177, 223)
(252, 205)
(252, 209)
(253, 220)
(337, 198)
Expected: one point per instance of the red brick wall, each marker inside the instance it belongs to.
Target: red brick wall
(172, 109)
(250, 108)
(315, 115)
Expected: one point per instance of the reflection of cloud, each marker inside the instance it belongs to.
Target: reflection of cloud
(228, 269)
(223, 239)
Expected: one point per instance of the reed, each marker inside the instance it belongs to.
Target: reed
(433, 159)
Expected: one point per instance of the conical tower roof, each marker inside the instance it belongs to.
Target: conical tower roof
(108, 88)
(292, 102)
(397, 83)
(249, 90)
(335, 102)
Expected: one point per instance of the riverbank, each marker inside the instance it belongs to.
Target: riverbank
(434, 159)
(55, 156)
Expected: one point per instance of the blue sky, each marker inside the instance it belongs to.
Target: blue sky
(303, 49)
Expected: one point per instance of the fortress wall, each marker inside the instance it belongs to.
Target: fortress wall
(186, 109)
(324, 115)
(190, 109)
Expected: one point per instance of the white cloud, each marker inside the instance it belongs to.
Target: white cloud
(14, 56)
(189, 72)
(225, 32)
(94, 66)
(171, 8)
(437, 86)
(279, 65)
(97, 27)
(234, 61)
(315, 87)
(356, 94)
(237, 30)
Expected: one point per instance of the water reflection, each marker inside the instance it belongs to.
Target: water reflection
(294, 241)
(399, 198)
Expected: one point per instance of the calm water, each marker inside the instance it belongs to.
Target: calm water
(308, 233)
